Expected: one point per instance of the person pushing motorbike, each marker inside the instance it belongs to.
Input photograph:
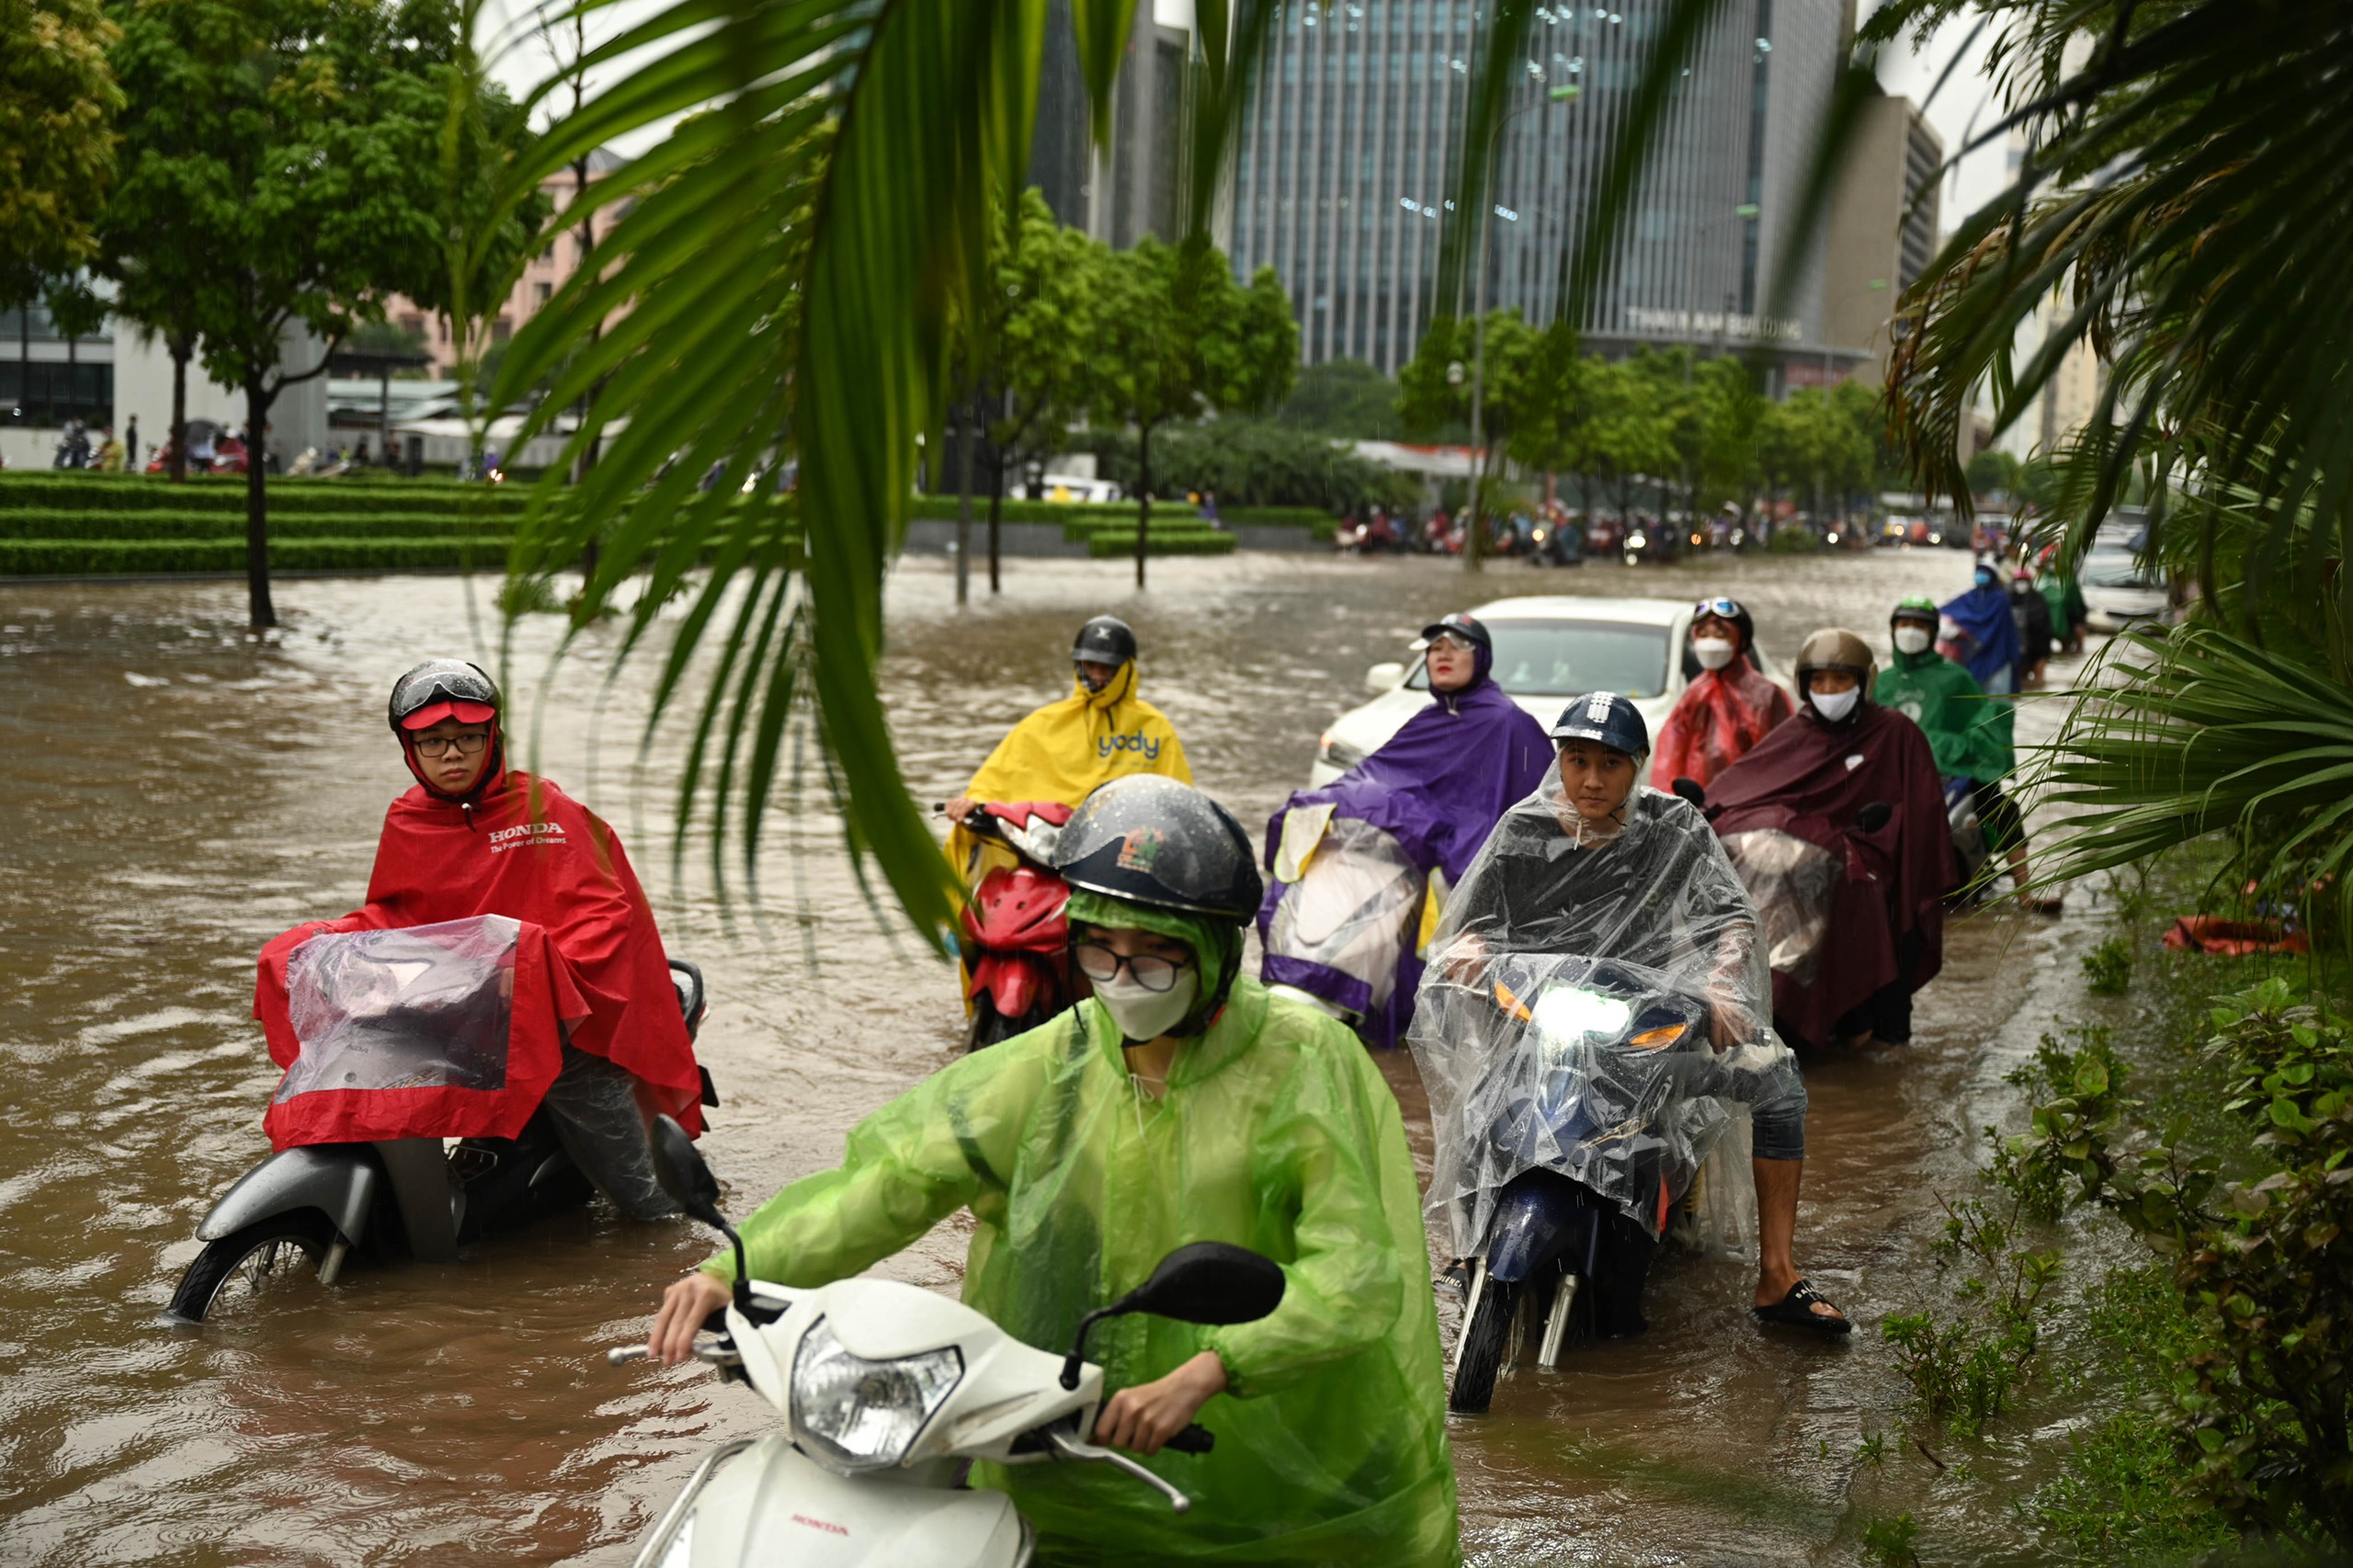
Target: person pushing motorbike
(1597, 867)
(1858, 783)
(476, 837)
(1180, 1103)
(1352, 860)
(1728, 706)
(1101, 730)
(1969, 732)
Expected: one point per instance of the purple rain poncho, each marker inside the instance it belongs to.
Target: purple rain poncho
(1434, 792)
(1988, 644)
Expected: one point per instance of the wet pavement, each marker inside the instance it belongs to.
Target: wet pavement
(178, 792)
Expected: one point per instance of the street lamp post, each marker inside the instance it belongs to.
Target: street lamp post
(1474, 547)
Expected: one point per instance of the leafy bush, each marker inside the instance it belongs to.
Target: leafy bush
(1792, 540)
(1251, 463)
(162, 526)
(95, 558)
(2108, 967)
(50, 492)
(2261, 1409)
(1172, 542)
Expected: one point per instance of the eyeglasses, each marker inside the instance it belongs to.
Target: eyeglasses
(1100, 963)
(463, 745)
(1728, 610)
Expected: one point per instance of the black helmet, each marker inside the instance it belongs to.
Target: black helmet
(1606, 717)
(1724, 608)
(1106, 639)
(438, 690)
(1462, 626)
(1151, 840)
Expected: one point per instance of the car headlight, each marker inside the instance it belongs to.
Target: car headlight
(1337, 753)
(865, 1415)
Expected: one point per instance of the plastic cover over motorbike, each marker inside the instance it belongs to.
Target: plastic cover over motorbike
(1791, 883)
(1561, 926)
(1275, 1131)
(445, 1030)
(1061, 752)
(1352, 914)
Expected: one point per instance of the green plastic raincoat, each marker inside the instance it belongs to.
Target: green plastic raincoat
(1969, 731)
(1276, 1132)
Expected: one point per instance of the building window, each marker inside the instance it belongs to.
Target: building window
(501, 330)
(541, 291)
(49, 392)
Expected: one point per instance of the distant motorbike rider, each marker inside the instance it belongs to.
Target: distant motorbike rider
(476, 837)
(1969, 732)
(1728, 706)
(1180, 1103)
(1388, 836)
(2031, 614)
(1061, 752)
(1881, 936)
(1978, 632)
(1593, 865)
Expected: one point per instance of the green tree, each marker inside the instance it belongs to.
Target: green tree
(58, 100)
(1344, 398)
(1038, 331)
(1993, 472)
(1178, 338)
(1437, 385)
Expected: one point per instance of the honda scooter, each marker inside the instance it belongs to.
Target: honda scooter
(315, 1205)
(888, 1392)
(1559, 1258)
(1013, 936)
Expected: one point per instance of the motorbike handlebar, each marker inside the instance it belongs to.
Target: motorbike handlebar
(1194, 1439)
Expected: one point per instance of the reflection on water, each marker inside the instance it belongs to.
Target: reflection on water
(178, 792)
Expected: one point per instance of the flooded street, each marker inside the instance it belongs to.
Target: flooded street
(178, 793)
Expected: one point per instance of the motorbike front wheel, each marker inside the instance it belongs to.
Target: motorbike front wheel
(246, 1263)
(1486, 1345)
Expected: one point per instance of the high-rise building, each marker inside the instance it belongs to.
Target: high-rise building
(1349, 151)
(1883, 223)
(1119, 193)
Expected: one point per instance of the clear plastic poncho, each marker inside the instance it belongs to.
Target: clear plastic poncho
(426, 1007)
(1354, 908)
(1598, 1003)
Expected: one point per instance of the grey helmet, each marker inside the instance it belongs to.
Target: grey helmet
(1150, 840)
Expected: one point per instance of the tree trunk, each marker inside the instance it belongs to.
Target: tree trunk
(257, 510)
(181, 348)
(996, 512)
(964, 500)
(1143, 497)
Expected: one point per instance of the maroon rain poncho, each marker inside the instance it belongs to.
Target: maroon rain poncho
(1812, 779)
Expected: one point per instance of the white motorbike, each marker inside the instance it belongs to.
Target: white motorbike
(888, 1393)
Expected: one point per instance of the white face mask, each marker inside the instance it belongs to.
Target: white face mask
(1835, 705)
(1912, 638)
(1713, 653)
(1141, 1015)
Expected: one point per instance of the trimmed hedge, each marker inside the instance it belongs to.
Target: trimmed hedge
(93, 558)
(942, 509)
(1280, 518)
(1174, 541)
(48, 492)
(169, 526)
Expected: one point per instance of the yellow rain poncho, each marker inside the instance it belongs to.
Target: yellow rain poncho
(1064, 750)
(1276, 1132)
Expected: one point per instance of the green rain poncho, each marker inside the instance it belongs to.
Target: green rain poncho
(1969, 731)
(1276, 1132)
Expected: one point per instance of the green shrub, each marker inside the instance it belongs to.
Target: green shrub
(942, 508)
(1278, 518)
(1172, 542)
(1791, 539)
(169, 526)
(2108, 967)
(95, 558)
(52, 492)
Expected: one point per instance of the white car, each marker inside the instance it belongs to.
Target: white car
(1548, 649)
(2117, 593)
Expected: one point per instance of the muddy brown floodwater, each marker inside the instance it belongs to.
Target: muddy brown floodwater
(176, 793)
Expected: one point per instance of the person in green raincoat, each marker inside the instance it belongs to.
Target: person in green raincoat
(1971, 734)
(1180, 1103)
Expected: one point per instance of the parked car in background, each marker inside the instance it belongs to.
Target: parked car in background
(2118, 592)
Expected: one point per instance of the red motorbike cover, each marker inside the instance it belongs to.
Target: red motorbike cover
(451, 1031)
(525, 850)
(1016, 912)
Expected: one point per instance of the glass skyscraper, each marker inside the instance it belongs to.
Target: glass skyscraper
(1350, 146)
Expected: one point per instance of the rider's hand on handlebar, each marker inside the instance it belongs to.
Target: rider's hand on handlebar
(959, 809)
(684, 1307)
(1145, 1416)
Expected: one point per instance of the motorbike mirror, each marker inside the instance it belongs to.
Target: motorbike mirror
(1874, 816)
(1203, 1282)
(1690, 788)
(1385, 676)
(679, 1167)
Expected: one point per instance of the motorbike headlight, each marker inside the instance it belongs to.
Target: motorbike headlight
(865, 1415)
(1568, 1014)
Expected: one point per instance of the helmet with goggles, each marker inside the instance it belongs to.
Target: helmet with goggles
(438, 690)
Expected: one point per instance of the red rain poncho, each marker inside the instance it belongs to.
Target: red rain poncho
(524, 849)
(1718, 720)
(1812, 780)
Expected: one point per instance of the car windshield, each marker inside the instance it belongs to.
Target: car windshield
(1567, 658)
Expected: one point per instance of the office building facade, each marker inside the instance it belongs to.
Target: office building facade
(1349, 151)
(1884, 214)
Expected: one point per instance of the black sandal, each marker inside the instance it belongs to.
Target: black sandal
(1796, 1310)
